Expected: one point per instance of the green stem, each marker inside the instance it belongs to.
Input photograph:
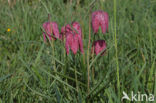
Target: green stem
(116, 54)
(92, 60)
(88, 68)
(76, 80)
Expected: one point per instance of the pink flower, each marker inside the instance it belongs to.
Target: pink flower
(77, 27)
(50, 28)
(98, 46)
(73, 38)
(100, 18)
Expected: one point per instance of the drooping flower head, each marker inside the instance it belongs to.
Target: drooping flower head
(50, 28)
(100, 19)
(98, 46)
(77, 28)
(73, 38)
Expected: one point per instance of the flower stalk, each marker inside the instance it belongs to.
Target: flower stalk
(88, 53)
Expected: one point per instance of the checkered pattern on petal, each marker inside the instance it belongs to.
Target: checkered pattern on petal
(98, 46)
(100, 19)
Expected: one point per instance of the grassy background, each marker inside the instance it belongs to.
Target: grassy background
(34, 72)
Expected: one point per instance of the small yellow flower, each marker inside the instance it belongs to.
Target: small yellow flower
(8, 30)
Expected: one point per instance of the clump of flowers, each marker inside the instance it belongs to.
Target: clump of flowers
(73, 33)
(99, 19)
(73, 38)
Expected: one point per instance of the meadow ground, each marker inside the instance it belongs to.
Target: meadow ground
(32, 71)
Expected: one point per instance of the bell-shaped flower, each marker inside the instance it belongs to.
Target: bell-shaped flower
(73, 38)
(77, 28)
(51, 30)
(100, 19)
(98, 46)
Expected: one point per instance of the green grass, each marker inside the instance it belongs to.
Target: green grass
(32, 71)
